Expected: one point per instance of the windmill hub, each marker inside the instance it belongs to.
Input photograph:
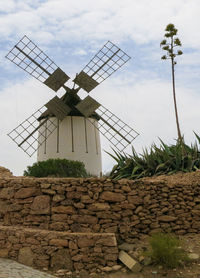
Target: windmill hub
(69, 127)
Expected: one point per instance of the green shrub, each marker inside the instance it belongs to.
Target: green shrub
(157, 161)
(56, 168)
(166, 250)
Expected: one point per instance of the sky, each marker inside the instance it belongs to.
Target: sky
(139, 93)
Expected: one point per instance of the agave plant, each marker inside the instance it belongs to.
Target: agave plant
(157, 160)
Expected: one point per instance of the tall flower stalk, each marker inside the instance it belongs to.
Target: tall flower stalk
(169, 44)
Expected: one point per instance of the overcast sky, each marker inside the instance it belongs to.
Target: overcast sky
(140, 93)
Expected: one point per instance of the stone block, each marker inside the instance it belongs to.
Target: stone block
(85, 219)
(3, 253)
(167, 218)
(26, 256)
(26, 192)
(107, 241)
(41, 205)
(128, 261)
(64, 209)
(112, 196)
(59, 242)
(99, 207)
(61, 259)
(85, 242)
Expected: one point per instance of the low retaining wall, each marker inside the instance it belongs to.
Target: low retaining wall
(58, 250)
(126, 208)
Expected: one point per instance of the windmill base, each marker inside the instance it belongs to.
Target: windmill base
(75, 138)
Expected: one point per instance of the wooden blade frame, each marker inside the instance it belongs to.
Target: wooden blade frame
(119, 134)
(26, 55)
(109, 59)
(27, 135)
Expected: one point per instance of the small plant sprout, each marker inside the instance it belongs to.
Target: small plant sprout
(169, 44)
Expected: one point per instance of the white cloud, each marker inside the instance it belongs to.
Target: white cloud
(80, 52)
(143, 21)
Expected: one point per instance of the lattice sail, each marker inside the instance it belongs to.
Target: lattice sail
(32, 133)
(109, 59)
(118, 133)
(29, 57)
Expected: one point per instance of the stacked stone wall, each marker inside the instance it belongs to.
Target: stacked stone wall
(126, 208)
(58, 250)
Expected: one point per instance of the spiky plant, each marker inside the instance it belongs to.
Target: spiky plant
(157, 160)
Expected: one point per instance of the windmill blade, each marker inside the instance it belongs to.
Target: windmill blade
(119, 134)
(34, 131)
(109, 59)
(26, 55)
(28, 135)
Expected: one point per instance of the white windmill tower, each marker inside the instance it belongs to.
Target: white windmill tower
(68, 127)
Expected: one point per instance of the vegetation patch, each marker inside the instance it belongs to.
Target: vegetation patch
(157, 160)
(57, 168)
(166, 250)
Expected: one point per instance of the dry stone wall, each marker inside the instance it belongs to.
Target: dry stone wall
(58, 250)
(126, 208)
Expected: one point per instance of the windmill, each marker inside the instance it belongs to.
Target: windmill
(69, 127)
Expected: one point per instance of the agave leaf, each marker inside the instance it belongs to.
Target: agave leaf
(198, 138)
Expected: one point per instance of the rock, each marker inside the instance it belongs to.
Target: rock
(85, 219)
(77, 257)
(3, 206)
(116, 267)
(61, 259)
(112, 196)
(196, 212)
(193, 256)
(49, 191)
(5, 173)
(138, 209)
(6, 193)
(83, 274)
(126, 246)
(59, 242)
(26, 192)
(41, 205)
(58, 198)
(85, 199)
(167, 218)
(85, 242)
(94, 275)
(64, 209)
(3, 253)
(136, 200)
(147, 199)
(107, 269)
(26, 256)
(126, 188)
(132, 264)
(107, 241)
(61, 272)
(99, 206)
